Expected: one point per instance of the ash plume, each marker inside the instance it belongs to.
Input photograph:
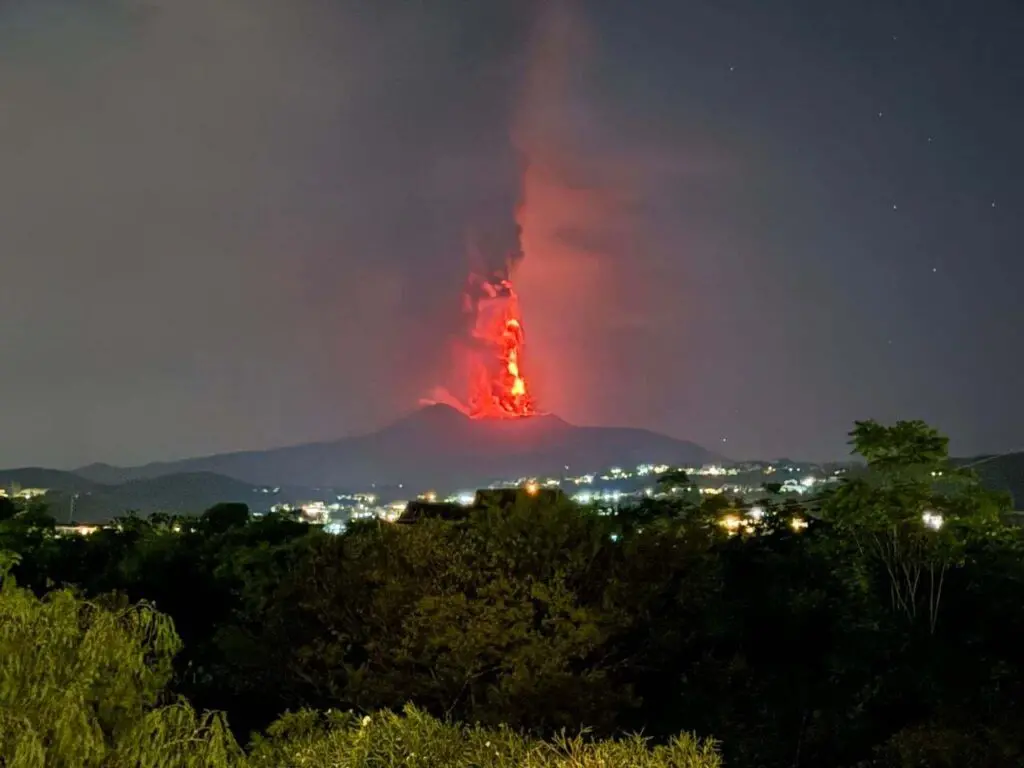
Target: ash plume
(548, 168)
(494, 238)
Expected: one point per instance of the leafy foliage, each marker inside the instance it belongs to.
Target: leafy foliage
(913, 512)
(902, 445)
(8, 509)
(307, 738)
(80, 684)
(881, 632)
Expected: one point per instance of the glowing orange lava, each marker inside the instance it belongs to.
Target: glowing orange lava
(498, 387)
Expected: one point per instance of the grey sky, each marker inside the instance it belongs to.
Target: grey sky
(243, 223)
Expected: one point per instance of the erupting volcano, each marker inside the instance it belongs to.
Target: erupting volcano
(498, 387)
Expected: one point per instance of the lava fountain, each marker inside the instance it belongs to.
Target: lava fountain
(498, 387)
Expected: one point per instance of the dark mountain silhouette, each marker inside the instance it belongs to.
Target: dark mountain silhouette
(179, 493)
(104, 474)
(1004, 472)
(435, 447)
(38, 477)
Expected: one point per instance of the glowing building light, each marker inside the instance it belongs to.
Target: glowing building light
(712, 470)
(932, 520)
(731, 523)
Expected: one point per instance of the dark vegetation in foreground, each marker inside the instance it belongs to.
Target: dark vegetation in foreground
(885, 633)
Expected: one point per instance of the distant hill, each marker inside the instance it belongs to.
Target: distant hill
(38, 477)
(104, 474)
(180, 493)
(435, 447)
(1002, 473)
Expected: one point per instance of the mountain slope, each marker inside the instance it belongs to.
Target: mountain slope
(104, 474)
(181, 493)
(1002, 473)
(38, 477)
(438, 447)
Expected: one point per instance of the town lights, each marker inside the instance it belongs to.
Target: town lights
(731, 523)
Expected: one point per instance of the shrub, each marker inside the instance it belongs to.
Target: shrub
(80, 686)
(342, 740)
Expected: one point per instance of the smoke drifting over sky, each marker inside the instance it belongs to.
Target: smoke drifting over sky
(245, 223)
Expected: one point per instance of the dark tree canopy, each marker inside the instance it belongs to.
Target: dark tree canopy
(873, 625)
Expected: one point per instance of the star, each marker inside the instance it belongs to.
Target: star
(879, 114)
(894, 206)
(929, 139)
(993, 203)
(935, 269)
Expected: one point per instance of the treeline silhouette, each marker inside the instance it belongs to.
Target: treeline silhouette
(874, 625)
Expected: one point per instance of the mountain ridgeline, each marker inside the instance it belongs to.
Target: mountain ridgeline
(434, 447)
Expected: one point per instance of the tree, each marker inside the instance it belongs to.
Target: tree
(7, 509)
(912, 511)
(496, 619)
(904, 445)
(222, 517)
(81, 684)
(673, 479)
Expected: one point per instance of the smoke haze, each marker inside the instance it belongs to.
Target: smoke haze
(215, 214)
(230, 224)
(585, 189)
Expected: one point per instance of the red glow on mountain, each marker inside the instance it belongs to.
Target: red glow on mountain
(498, 387)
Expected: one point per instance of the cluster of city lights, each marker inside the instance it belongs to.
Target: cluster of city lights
(734, 523)
(23, 493)
(605, 491)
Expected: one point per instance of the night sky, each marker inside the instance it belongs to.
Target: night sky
(238, 224)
